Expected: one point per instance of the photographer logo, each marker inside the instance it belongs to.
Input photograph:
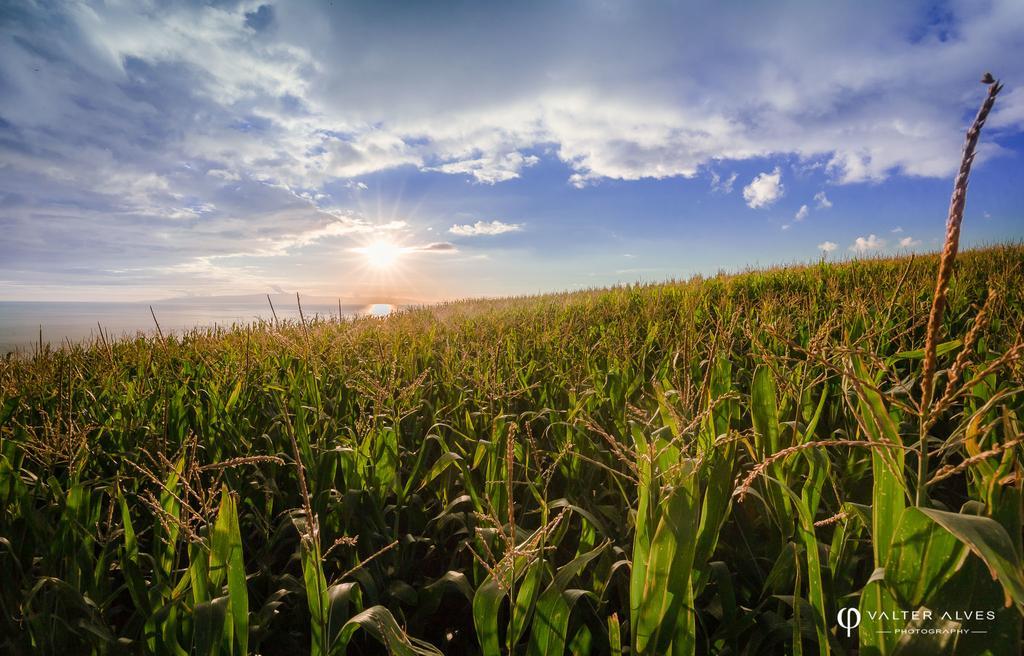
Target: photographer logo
(922, 621)
(849, 619)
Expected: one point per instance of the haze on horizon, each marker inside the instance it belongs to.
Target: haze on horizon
(159, 149)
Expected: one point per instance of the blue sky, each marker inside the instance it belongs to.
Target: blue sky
(440, 150)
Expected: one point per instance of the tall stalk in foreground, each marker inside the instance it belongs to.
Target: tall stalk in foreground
(949, 250)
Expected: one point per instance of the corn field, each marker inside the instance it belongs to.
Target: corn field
(717, 466)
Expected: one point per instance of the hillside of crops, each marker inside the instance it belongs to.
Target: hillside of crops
(715, 466)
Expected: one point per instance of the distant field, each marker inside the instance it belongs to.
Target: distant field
(720, 465)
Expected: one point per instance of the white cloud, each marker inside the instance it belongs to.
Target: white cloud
(223, 174)
(909, 242)
(823, 203)
(897, 230)
(867, 244)
(338, 226)
(373, 151)
(578, 180)
(764, 189)
(484, 228)
(827, 246)
(802, 213)
(490, 169)
(723, 186)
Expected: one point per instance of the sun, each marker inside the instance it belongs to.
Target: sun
(381, 254)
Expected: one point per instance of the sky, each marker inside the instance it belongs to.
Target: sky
(426, 151)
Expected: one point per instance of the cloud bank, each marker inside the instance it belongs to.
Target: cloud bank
(484, 228)
(154, 134)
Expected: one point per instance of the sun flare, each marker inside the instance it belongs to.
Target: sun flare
(381, 254)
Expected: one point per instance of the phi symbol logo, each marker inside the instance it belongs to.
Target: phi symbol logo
(849, 619)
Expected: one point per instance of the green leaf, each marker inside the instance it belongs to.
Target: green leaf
(888, 491)
(812, 423)
(877, 631)
(199, 572)
(923, 556)
(208, 621)
(525, 598)
(768, 440)
(668, 569)
(233, 397)
(380, 623)
(552, 621)
(170, 506)
(990, 542)
(486, 604)
(807, 505)
(226, 554)
(439, 466)
(430, 595)
(134, 580)
(917, 354)
(643, 531)
(316, 595)
(339, 598)
(764, 408)
(717, 500)
(551, 618)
